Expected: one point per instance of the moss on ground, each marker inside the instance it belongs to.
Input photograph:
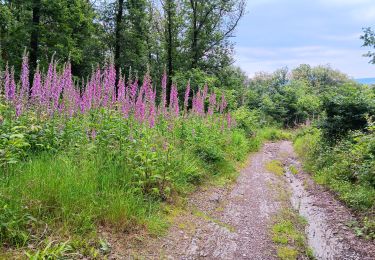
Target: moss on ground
(276, 167)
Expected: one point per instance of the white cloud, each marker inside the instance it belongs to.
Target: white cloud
(360, 10)
(341, 38)
(345, 2)
(350, 61)
(365, 14)
(314, 32)
(252, 3)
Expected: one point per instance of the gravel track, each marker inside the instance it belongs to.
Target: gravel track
(234, 222)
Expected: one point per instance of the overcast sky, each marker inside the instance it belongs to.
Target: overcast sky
(277, 33)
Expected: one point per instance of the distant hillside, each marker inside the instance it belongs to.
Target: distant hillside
(366, 80)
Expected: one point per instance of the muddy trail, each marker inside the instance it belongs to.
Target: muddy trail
(235, 222)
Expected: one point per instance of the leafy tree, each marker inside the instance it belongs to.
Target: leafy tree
(171, 39)
(286, 98)
(141, 35)
(136, 29)
(233, 78)
(14, 15)
(197, 78)
(369, 41)
(64, 28)
(347, 109)
(209, 26)
(119, 14)
(320, 78)
(154, 40)
(34, 38)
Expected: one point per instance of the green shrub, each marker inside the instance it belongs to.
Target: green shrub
(348, 167)
(246, 119)
(274, 134)
(346, 109)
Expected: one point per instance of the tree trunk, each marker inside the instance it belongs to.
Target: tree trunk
(34, 41)
(194, 42)
(169, 48)
(117, 42)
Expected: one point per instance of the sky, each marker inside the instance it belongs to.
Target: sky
(279, 33)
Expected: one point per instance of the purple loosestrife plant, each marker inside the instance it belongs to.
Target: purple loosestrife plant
(70, 101)
(106, 87)
(56, 88)
(173, 103)
(121, 99)
(112, 83)
(55, 91)
(152, 112)
(212, 103)
(10, 85)
(223, 104)
(127, 104)
(36, 90)
(93, 134)
(133, 93)
(164, 92)
(186, 99)
(205, 91)
(25, 83)
(46, 88)
(140, 105)
(229, 120)
(97, 88)
(199, 103)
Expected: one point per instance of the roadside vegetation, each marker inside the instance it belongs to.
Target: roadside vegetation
(339, 151)
(72, 162)
(91, 140)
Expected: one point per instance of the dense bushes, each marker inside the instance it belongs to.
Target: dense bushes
(346, 108)
(338, 149)
(246, 119)
(348, 167)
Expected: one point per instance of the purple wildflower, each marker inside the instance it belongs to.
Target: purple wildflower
(223, 104)
(187, 93)
(164, 92)
(25, 78)
(212, 103)
(173, 104)
(10, 85)
(36, 90)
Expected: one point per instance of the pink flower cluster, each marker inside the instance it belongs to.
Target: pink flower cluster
(56, 92)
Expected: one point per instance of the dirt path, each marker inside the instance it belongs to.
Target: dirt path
(229, 224)
(234, 222)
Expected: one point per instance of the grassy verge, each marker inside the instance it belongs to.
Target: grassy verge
(347, 168)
